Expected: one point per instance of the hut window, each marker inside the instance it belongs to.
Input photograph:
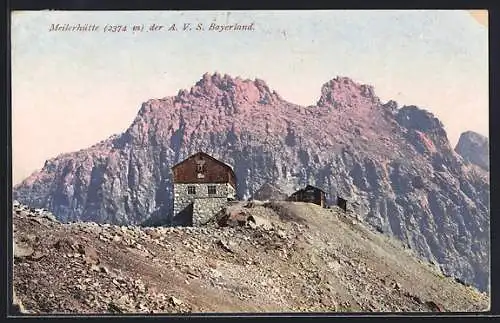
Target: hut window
(212, 190)
(191, 189)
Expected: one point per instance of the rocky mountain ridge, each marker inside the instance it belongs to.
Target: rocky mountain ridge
(393, 164)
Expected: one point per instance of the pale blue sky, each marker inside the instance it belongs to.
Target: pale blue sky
(72, 89)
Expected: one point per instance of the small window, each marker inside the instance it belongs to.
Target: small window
(191, 190)
(212, 189)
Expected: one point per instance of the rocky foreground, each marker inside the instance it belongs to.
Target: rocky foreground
(259, 257)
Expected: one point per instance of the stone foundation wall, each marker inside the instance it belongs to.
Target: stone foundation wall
(205, 205)
(205, 208)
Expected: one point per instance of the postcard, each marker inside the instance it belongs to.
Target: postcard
(286, 161)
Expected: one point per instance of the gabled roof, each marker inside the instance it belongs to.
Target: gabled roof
(314, 187)
(308, 187)
(200, 153)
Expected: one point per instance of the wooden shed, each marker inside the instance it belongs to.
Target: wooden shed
(309, 194)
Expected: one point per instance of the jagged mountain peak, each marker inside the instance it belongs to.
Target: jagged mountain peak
(342, 91)
(240, 90)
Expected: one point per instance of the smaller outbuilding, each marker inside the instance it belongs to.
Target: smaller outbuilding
(309, 194)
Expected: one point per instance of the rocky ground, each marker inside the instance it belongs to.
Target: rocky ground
(262, 257)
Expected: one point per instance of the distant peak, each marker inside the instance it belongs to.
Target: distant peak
(344, 92)
(472, 135)
(474, 148)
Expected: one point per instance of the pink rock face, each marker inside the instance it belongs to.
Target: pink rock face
(394, 165)
(344, 92)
